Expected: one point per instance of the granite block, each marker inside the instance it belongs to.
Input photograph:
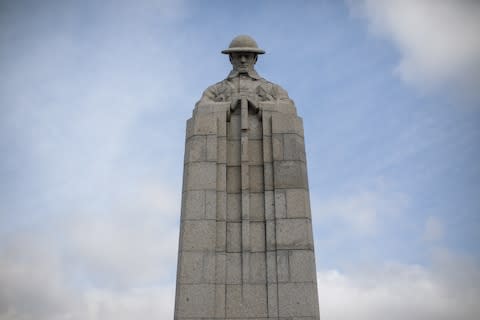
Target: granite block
(194, 205)
(290, 174)
(302, 266)
(294, 234)
(199, 235)
(201, 176)
(246, 301)
(257, 206)
(233, 179)
(297, 299)
(297, 203)
(234, 237)
(196, 300)
(196, 149)
(234, 206)
(257, 236)
(204, 124)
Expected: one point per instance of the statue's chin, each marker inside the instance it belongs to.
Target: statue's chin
(242, 70)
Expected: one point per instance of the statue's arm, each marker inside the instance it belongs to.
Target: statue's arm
(219, 92)
(209, 95)
(281, 94)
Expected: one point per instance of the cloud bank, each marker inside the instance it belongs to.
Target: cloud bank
(93, 266)
(438, 40)
(39, 282)
(399, 291)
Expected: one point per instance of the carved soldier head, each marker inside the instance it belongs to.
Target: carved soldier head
(243, 52)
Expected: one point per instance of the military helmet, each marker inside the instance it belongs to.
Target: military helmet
(243, 43)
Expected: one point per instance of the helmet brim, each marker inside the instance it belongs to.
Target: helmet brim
(243, 49)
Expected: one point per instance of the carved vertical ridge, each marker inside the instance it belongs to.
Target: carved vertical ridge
(245, 191)
(221, 225)
(270, 223)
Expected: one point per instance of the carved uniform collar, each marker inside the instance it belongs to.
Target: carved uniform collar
(252, 74)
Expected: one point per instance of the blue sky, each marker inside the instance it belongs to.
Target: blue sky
(93, 103)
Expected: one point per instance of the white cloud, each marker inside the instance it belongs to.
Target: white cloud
(32, 284)
(438, 40)
(362, 210)
(35, 284)
(118, 264)
(398, 292)
(136, 303)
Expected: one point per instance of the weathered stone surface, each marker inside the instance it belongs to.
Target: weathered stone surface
(196, 149)
(272, 300)
(233, 179)
(210, 204)
(268, 176)
(234, 207)
(201, 176)
(246, 243)
(198, 267)
(258, 272)
(293, 147)
(211, 149)
(234, 268)
(221, 205)
(271, 241)
(221, 150)
(220, 301)
(255, 152)
(290, 174)
(257, 206)
(199, 235)
(195, 300)
(221, 177)
(255, 128)
(256, 178)
(220, 267)
(233, 153)
(280, 204)
(271, 266)
(233, 128)
(247, 301)
(267, 149)
(269, 205)
(234, 237)
(285, 123)
(194, 204)
(221, 238)
(282, 265)
(204, 124)
(302, 266)
(297, 203)
(297, 299)
(294, 234)
(277, 146)
(257, 236)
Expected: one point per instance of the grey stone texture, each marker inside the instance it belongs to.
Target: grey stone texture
(246, 246)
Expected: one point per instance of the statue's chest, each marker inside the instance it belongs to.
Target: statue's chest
(245, 86)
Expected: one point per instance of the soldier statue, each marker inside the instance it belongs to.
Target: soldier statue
(243, 80)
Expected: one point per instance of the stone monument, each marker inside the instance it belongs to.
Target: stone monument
(246, 244)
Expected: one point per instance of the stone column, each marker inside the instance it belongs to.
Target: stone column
(246, 244)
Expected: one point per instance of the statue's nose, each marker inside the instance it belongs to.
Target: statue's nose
(243, 59)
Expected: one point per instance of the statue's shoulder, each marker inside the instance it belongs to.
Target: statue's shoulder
(219, 87)
(274, 89)
(216, 85)
(218, 92)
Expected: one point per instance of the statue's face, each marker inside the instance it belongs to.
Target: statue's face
(243, 62)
